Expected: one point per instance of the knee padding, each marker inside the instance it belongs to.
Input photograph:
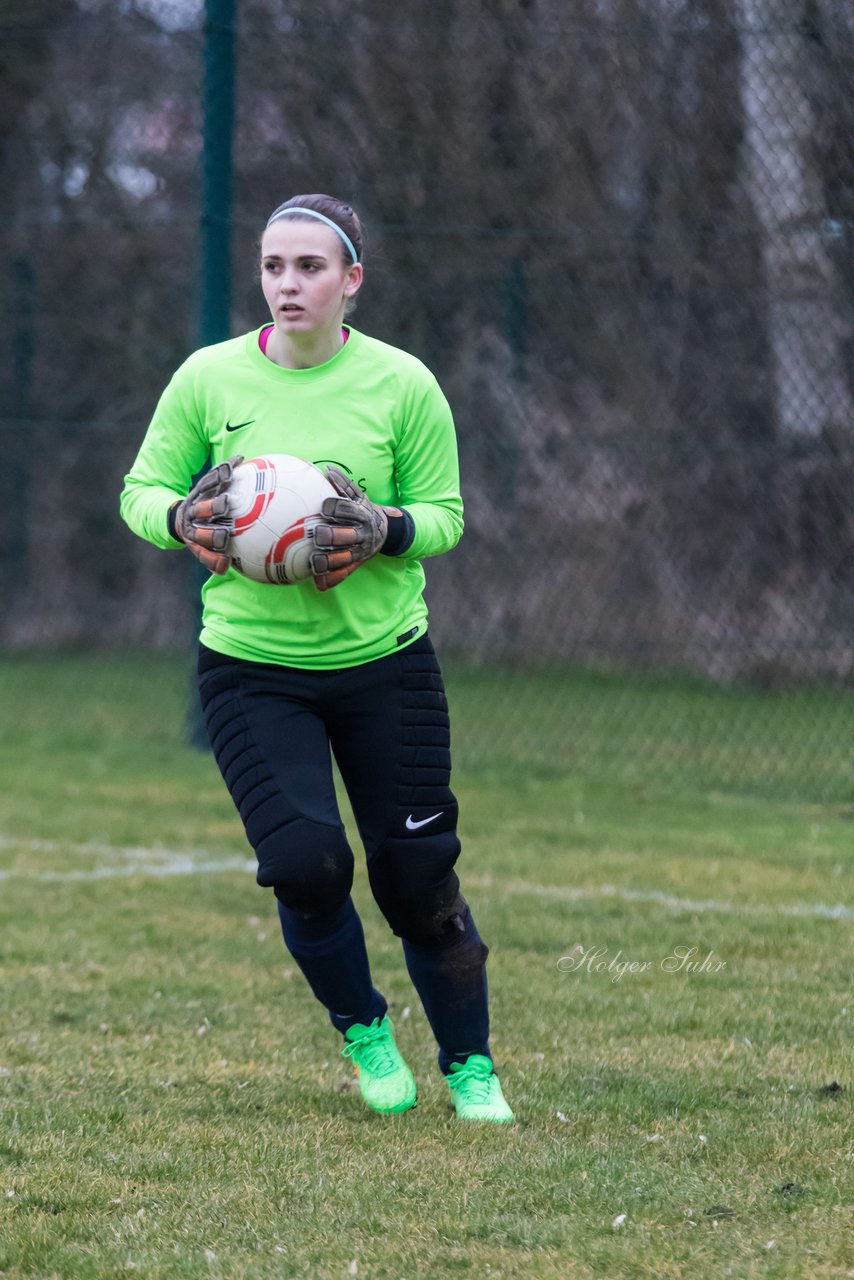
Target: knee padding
(415, 885)
(458, 946)
(308, 864)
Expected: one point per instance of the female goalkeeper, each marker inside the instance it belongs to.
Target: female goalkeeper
(340, 665)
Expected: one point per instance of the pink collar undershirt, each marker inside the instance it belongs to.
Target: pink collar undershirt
(264, 336)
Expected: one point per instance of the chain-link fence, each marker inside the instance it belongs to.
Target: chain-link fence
(619, 231)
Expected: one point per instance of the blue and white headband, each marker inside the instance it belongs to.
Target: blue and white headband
(312, 213)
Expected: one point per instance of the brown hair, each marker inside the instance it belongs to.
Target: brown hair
(338, 212)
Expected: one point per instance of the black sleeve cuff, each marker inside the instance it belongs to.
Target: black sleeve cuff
(400, 536)
(171, 517)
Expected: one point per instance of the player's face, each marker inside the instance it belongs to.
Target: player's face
(304, 278)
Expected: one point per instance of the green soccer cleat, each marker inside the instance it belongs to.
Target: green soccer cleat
(476, 1091)
(385, 1080)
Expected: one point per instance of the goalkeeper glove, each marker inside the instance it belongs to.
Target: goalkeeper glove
(356, 530)
(202, 520)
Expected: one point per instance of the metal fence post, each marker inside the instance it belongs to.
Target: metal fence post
(18, 457)
(215, 226)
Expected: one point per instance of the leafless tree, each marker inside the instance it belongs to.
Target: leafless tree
(807, 328)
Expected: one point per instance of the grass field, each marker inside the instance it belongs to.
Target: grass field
(173, 1102)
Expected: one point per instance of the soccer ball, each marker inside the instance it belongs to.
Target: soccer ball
(274, 505)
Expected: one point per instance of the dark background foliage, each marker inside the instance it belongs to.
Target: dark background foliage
(618, 230)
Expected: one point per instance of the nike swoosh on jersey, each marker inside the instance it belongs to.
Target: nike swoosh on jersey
(238, 425)
(413, 826)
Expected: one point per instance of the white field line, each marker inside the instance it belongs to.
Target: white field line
(135, 861)
(179, 866)
(90, 849)
(156, 862)
(568, 893)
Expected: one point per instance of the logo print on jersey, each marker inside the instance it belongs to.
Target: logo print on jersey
(342, 466)
(412, 825)
(238, 425)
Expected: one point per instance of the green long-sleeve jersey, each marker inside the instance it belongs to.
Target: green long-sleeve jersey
(375, 412)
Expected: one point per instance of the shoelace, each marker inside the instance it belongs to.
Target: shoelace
(379, 1057)
(476, 1084)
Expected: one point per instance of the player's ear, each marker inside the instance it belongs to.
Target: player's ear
(353, 283)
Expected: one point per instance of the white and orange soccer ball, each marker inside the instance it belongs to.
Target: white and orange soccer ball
(274, 504)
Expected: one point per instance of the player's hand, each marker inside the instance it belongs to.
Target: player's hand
(353, 530)
(202, 520)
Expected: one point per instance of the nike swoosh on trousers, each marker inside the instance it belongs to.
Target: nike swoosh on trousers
(413, 826)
